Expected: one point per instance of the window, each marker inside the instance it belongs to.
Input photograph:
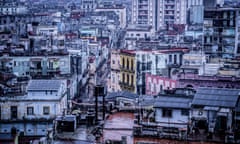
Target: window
(143, 58)
(14, 112)
(61, 42)
(166, 113)
(161, 88)
(132, 79)
(30, 111)
(46, 110)
(175, 59)
(123, 78)
(113, 61)
(154, 88)
(132, 64)
(185, 112)
(113, 78)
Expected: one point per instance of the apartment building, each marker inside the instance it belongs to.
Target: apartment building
(159, 13)
(221, 32)
(128, 70)
(121, 11)
(43, 101)
(36, 65)
(135, 33)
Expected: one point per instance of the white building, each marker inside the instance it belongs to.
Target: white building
(172, 114)
(160, 13)
(44, 100)
(120, 11)
(13, 10)
(135, 33)
(46, 30)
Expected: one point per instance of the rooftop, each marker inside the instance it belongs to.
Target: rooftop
(216, 97)
(139, 28)
(43, 85)
(172, 102)
(123, 94)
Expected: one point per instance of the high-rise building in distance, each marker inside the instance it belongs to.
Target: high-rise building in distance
(159, 13)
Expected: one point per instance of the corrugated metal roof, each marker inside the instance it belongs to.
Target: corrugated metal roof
(43, 85)
(173, 102)
(220, 97)
(124, 94)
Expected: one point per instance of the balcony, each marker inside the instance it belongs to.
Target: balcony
(126, 85)
(219, 77)
(169, 3)
(6, 69)
(143, 3)
(30, 119)
(169, 8)
(143, 8)
(173, 65)
(143, 14)
(53, 69)
(35, 70)
(127, 69)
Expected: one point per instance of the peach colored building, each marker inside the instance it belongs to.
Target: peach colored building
(113, 82)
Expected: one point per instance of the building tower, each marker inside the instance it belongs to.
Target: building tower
(159, 13)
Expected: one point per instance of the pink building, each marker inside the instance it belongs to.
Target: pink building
(155, 84)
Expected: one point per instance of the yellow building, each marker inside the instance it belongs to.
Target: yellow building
(128, 71)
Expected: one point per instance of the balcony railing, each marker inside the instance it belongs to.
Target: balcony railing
(127, 69)
(53, 69)
(33, 69)
(209, 78)
(126, 84)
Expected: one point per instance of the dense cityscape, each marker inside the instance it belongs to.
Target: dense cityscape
(119, 71)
